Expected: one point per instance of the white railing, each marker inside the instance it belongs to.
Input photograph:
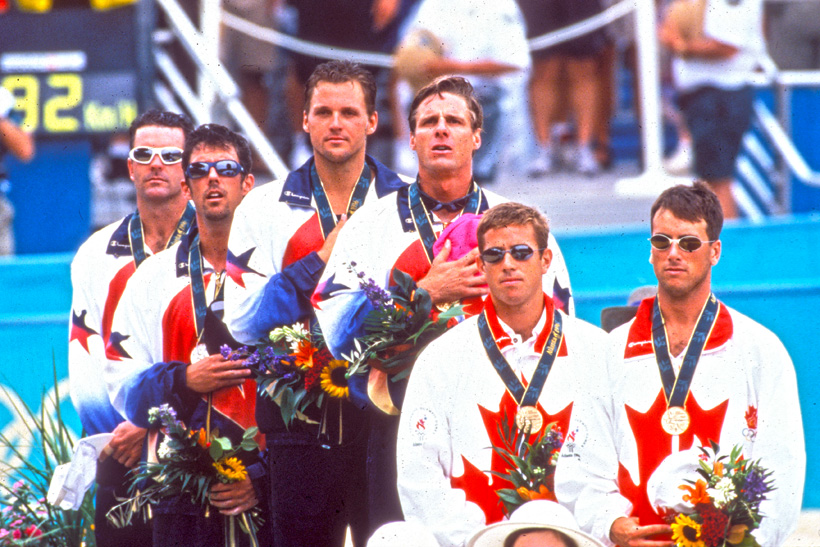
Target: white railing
(214, 82)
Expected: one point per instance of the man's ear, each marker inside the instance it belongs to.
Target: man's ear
(372, 122)
(186, 190)
(546, 260)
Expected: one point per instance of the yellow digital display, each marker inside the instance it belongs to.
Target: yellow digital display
(74, 102)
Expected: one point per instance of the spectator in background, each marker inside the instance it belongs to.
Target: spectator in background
(361, 25)
(484, 41)
(717, 45)
(19, 143)
(248, 59)
(578, 60)
(794, 34)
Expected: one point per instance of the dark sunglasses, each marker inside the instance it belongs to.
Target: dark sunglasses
(518, 252)
(224, 168)
(689, 244)
(145, 154)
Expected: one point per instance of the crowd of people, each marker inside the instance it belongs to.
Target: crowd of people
(406, 457)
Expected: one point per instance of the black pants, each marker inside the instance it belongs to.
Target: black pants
(316, 492)
(112, 483)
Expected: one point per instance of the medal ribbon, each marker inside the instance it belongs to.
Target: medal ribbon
(135, 232)
(200, 304)
(327, 220)
(677, 389)
(530, 395)
(422, 220)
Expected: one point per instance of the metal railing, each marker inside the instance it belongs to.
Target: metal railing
(215, 84)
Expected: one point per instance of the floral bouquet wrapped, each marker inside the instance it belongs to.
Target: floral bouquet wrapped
(721, 507)
(531, 460)
(296, 371)
(402, 322)
(189, 463)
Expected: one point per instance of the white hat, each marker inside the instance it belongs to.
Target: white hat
(538, 514)
(71, 480)
(401, 534)
(663, 487)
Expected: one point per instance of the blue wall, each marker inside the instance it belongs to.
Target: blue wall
(769, 272)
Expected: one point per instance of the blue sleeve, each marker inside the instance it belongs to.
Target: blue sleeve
(286, 297)
(162, 383)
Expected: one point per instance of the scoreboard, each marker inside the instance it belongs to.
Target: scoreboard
(73, 71)
(79, 75)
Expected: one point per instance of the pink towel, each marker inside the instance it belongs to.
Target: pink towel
(462, 234)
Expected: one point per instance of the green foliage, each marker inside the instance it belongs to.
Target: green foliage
(401, 324)
(26, 476)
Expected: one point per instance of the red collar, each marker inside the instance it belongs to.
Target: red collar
(639, 341)
(502, 339)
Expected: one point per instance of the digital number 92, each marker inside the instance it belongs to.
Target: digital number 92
(63, 93)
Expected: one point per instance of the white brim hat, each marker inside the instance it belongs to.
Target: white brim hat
(539, 515)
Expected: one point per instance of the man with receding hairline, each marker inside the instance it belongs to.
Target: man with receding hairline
(400, 231)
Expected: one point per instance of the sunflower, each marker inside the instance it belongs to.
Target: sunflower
(334, 381)
(230, 470)
(686, 532)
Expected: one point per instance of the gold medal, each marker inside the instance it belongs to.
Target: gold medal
(199, 353)
(675, 421)
(529, 420)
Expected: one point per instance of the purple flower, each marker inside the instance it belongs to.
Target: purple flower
(378, 297)
(225, 351)
(755, 487)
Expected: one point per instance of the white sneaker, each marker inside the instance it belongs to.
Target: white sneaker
(680, 162)
(586, 163)
(543, 162)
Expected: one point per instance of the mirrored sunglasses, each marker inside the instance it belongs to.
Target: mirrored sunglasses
(145, 154)
(224, 168)
(689, 244)
(518, 252)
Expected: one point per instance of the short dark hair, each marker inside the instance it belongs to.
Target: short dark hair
(693, 204)
(513, 537)
(455, 85)
(339, 72)
(514, 214)
(161, 118)
(218, 136)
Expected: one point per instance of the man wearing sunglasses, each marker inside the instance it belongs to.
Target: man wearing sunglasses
(167, 334)
(279, 244)
(687, 371)
(459, 403)
(99, 273)
(401, 231)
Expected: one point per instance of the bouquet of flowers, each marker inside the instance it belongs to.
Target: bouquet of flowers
(725, 501)
(295, 370)
(401, 323)
(531, 462)
(189, 463)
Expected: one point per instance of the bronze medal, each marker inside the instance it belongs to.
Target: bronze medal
(675, 421)
(529, 420)
(199, 353)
